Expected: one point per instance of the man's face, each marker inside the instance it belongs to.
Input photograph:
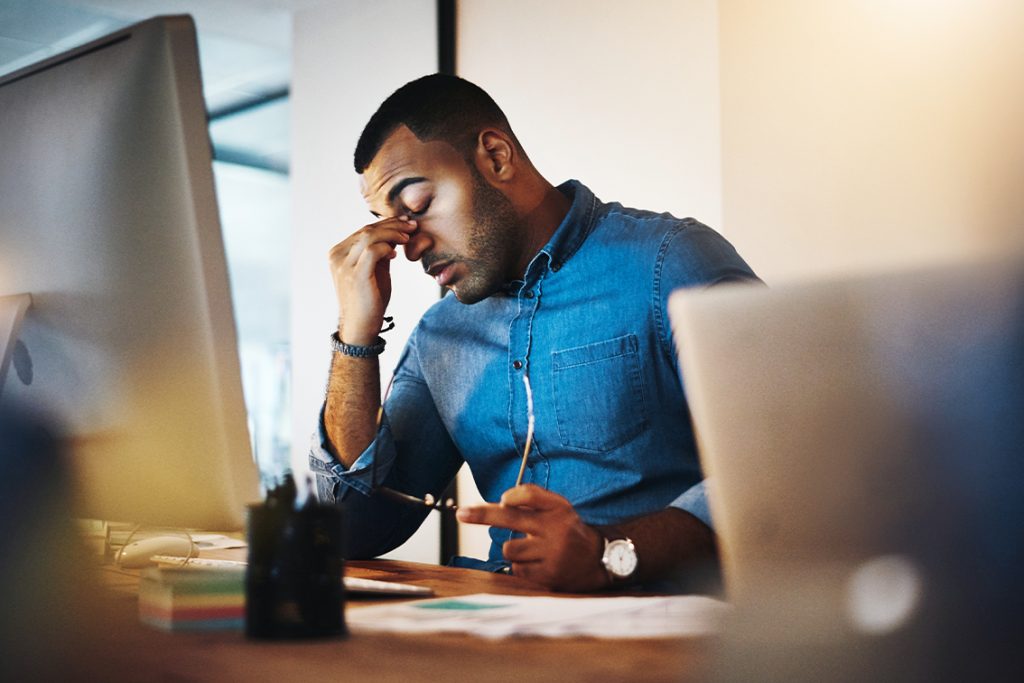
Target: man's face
(468, 235)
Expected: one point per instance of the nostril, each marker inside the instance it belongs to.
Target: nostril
(416, 246)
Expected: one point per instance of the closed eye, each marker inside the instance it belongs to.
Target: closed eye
(417, 214)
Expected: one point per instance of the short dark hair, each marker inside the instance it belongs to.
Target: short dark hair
(434, 107)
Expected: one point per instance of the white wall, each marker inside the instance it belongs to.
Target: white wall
(620, 95)
(860, 135)
(348, 57)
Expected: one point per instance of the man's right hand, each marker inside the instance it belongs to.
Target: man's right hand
(361, 270)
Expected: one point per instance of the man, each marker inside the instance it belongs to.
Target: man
(548, 283)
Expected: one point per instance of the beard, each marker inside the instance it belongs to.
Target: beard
(494, 242)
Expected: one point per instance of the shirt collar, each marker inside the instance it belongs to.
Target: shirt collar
(575, 227)
(570, 233)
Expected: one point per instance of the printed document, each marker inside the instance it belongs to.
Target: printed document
(502, 616)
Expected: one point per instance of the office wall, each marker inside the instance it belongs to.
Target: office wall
(348, 56)
(620, 95)
(864, 134)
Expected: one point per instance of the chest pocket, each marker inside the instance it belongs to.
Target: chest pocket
(599, 396)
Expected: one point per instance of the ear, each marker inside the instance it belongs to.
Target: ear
(496, 156)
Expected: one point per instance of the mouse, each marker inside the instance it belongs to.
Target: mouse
(137, 553)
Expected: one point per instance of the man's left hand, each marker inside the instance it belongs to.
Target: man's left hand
(558, 551)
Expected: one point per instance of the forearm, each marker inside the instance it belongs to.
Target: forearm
(362, 282)
(350, 413)
(668, 542)
(412, 453)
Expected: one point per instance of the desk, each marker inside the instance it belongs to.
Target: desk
(128, 650)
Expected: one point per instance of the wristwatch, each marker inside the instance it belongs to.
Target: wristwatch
(619, 558)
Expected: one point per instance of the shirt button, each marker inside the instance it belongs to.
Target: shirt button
(528, 294)
(517, 364)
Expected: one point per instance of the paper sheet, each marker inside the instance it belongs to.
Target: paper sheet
(503, 616)
(216, 542)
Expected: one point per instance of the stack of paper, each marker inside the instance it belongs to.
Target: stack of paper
(192, 599)
(502, 616)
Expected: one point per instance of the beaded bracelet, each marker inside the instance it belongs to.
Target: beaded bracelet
(356, 351)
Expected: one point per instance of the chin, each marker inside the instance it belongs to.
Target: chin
(467, 298)
(468, 294)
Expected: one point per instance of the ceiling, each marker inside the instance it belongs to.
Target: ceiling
(244, 52)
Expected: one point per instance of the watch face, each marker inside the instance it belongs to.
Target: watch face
(621, 558)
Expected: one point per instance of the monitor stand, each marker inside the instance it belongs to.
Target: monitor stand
(12, 312)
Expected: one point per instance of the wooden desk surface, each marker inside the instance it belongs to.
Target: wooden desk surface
(118, 647)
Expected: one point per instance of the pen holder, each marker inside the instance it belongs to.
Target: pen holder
(293, 580)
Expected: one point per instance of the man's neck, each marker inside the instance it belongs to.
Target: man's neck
(545, 209)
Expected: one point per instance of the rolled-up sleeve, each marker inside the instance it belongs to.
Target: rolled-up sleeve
(413, 453)
(695, 501)
(334, 481)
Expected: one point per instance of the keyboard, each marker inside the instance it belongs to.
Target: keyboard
(353, 584)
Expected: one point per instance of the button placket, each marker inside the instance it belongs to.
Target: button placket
(519, 352)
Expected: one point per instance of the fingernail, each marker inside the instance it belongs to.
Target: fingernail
(464, 514)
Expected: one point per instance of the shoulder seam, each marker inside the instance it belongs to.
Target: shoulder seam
(659, 315)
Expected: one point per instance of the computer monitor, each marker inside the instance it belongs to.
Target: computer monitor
(108, 220)
(12, 311)
(862, 439)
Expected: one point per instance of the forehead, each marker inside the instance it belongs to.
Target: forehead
(403, 155)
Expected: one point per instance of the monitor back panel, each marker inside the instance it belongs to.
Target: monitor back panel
(109, 221)
(849, 420)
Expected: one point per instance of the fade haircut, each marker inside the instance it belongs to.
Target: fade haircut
(435, 107)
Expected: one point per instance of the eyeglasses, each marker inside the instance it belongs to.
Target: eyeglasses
(428, 501)
(529, 428)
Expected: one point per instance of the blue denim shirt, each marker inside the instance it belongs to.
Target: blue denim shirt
(589, 324)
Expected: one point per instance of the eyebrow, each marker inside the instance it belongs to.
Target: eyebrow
(397, 188)
(401, 185)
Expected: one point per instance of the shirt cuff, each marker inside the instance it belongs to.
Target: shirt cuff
(360, 476)
(695, 501)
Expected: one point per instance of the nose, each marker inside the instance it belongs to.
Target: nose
(419, 242)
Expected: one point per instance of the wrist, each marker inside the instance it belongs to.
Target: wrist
(599, 577)
(619, 559)
(356, 337)
(363, 335)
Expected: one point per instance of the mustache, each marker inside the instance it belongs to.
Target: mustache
(430, 260)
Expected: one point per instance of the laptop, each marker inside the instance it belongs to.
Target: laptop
(863, 441)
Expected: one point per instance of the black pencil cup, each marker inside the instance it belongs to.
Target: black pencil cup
(293, 581)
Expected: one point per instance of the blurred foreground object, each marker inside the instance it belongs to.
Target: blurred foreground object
(42, 574)
(109, 221)
(863, 443)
